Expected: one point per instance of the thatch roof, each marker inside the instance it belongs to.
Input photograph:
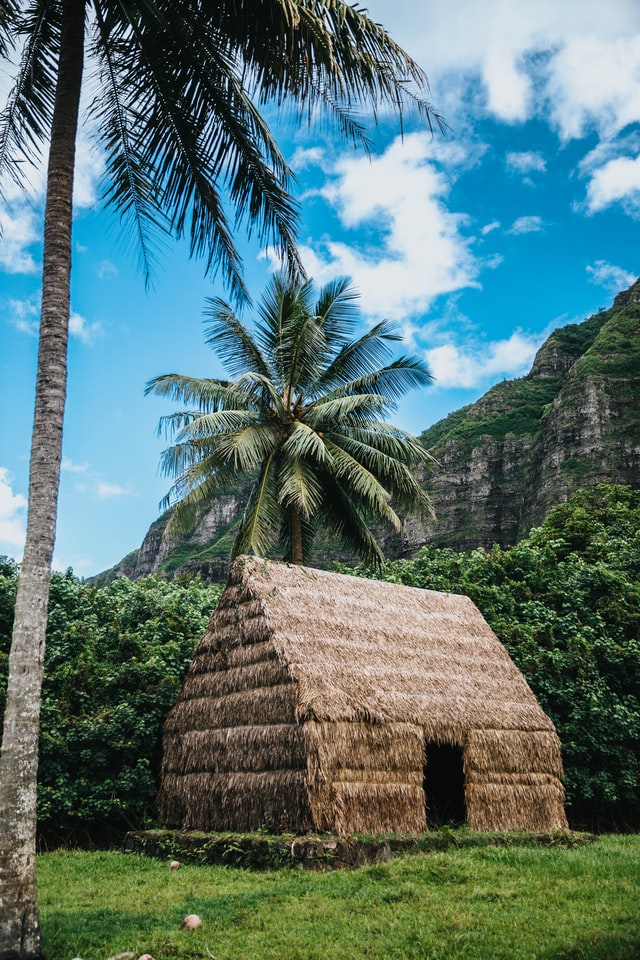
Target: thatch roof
(312, 695)
(374, 651)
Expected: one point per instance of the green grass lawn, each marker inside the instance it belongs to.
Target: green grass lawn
(556, 903)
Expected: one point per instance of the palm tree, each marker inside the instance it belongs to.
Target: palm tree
(177, 114)
(303, 416)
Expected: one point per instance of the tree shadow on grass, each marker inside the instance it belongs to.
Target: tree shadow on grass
(623, 945)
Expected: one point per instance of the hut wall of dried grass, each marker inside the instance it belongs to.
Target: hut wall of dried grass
(312, 695)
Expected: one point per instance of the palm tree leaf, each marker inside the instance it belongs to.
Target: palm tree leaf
(336, 310)
(362, 484)
(359, 358)
(26, 119)
(325, 413)
(226, 333)
(298, 485)
(206, 138)
(263, 514)
(343, 515)
(304, 443)
(247, 448)
(209, 395)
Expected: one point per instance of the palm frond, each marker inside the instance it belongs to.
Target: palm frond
(208, 395)
(131, 188)
(299, 486)
(201, 136)
(26, 119)
(336, 310)
(362, 485)
(303, 442)
(393, 381)
(326, 55)
(263, 515)
(248, 447)
(237, 348)
(332, 413)
(359, 358)
(348, 522)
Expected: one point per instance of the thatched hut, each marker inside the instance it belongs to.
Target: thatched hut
(326, 702)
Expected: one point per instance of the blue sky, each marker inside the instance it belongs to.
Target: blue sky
(478, 244)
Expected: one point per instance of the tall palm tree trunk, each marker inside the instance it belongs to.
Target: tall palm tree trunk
(295, 533)
(20, 935)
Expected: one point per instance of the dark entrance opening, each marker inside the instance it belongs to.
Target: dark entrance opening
(444, 785)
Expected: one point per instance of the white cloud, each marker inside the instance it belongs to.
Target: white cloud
(612, 278)
(575, 61)
(24, 315)
(107, 270)
(526, 225)
(19, 231)
(80, 328)
(107, 490)
(617, 181)
(595, 84)
(417, 248)
(70, 467)
(525, 162)
(88, 172)
(12, 516)
(490, 227)
(475, 364)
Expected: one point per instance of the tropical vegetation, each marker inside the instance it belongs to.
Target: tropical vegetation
(303, 415)
(114, 663)
(565, 601)
(178, 92)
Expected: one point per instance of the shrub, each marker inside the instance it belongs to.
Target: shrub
(566, 603)
(114, 663)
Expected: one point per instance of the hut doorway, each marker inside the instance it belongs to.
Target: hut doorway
(444, 784)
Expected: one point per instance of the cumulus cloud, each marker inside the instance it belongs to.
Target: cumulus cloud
(525, 162)
(607, 275)
(417, 248)
(594, 83)
(575, 62)
(490, 227)
(12, 515)
(526, 225)
(79, 327)
(617, 181)
(19, 232)
(475, 364)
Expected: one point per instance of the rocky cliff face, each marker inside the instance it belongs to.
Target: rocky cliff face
(528, 444)
(503, 462)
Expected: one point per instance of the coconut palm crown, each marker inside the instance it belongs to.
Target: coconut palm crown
(304, 417)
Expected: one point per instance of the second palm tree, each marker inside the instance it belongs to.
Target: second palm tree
(304, 415)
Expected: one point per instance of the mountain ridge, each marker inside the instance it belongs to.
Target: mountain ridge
(503, 461)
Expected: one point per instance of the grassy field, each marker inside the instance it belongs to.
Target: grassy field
(483, 903)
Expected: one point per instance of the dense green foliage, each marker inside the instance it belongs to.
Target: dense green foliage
(114, 663)
(615, 352)
(566, 603)
(470, 903)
